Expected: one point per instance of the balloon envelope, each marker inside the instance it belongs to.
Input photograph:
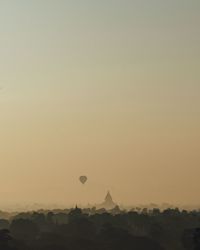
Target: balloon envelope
(83, 179)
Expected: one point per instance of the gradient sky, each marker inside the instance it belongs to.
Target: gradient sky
(109, 89)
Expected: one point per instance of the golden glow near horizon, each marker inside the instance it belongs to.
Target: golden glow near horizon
(107, 89)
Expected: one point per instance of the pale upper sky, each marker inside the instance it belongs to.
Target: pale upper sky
(109, 89)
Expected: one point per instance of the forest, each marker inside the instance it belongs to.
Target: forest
(92, 229)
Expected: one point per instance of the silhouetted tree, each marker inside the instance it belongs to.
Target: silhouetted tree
(196, 237)
(6, 241)
(4, 224)
(23, 229)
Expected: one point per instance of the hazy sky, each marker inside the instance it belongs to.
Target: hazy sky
(109, 89)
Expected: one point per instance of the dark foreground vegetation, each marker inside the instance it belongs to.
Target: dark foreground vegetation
(91, 229)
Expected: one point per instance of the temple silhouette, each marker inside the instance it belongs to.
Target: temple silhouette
(108, 202)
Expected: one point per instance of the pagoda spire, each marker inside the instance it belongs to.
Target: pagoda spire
(108, 197)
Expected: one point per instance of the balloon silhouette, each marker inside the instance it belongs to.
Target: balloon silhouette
(83, 179)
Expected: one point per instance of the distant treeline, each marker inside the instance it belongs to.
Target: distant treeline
(91, 229)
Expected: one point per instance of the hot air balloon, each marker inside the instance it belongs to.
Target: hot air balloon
(83, 179)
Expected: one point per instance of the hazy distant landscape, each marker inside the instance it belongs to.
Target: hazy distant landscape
(102, 226)
(95, 229)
